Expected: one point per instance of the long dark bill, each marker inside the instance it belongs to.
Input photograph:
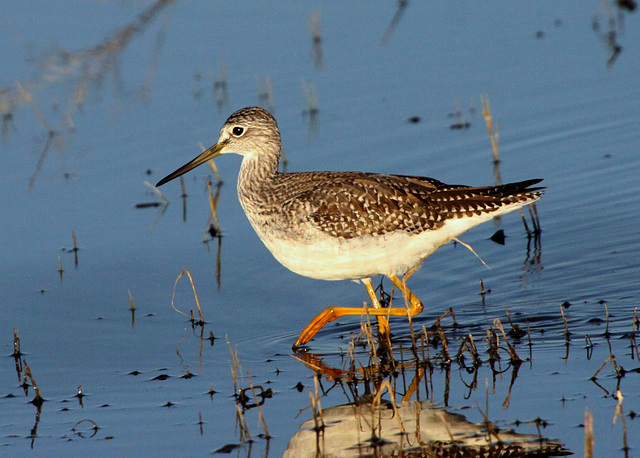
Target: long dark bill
(211, 153)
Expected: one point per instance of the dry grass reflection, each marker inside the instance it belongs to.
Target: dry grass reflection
(74, 74)
(413, 421)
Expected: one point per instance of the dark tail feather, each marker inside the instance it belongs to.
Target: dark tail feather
(520, 187)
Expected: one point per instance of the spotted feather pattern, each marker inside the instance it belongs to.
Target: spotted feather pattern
(352, 204)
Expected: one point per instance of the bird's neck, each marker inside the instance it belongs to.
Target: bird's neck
(256, 176)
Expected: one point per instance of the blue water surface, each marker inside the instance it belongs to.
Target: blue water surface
(99, 97)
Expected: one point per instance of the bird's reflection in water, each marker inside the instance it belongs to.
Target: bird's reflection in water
(411, 429)
(404, 424)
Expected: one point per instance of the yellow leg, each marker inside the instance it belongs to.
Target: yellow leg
(332, 313)
(414, 304)
(383, 322)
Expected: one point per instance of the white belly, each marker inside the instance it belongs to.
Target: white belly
(349, 259)
(319, 255)
(330, 258)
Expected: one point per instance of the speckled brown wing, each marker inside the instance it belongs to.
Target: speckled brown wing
(349, 204)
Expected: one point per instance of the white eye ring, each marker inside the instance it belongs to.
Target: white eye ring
(238, 131)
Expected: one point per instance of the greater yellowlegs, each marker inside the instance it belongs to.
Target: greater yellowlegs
(350, 225)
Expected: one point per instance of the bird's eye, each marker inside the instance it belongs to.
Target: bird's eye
(237, 131)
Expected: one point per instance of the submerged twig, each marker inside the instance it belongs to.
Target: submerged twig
(16, 344)
(131, 300)
(195, 295)
(615, 365)
(213, 206)
(38, 399)
(402, 6)
(468, 247)
(316, 407)
(588, 434)
(316, 35)
(620, 412)
(512, 351)
(492, 128)
(567, 333)
(257, 403)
